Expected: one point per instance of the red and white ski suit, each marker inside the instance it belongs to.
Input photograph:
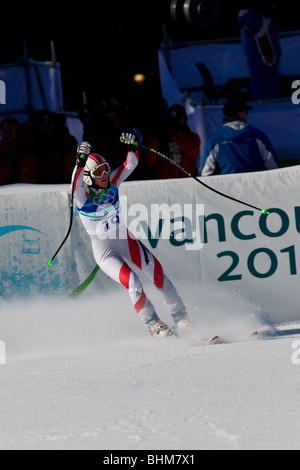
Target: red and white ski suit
(114, 247)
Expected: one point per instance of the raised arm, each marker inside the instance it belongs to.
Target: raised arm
(132, 159)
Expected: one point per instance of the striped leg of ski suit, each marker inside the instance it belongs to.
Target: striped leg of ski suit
(112, 257)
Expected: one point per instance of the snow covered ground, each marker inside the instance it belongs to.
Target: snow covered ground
(84, 374)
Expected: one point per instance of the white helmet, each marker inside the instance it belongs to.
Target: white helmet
(93, 162)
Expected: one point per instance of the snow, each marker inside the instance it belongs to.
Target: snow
(84, 374)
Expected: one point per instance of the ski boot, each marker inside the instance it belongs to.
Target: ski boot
(181, 320)
(157, 328)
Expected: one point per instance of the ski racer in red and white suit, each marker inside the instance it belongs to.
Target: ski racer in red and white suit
(97, 201)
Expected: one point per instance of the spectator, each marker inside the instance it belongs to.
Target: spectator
(237, 147)
(176, 140)
(16, 165)
(262, 49)
(52, 146)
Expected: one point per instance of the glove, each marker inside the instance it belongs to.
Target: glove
(175, 152)
(84, 148)
(128, 140)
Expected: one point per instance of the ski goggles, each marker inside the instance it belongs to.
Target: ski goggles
(100, 170)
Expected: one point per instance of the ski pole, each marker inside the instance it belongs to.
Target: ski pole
(50, 262)
(264, 211)
(84, 284)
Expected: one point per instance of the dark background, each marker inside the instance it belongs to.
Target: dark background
(101, 44)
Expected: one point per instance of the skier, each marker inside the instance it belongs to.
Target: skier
(97, 201)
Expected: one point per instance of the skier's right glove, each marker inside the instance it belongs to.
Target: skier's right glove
(83, 152)
(129, 139)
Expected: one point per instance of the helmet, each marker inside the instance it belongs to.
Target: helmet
(93, 162)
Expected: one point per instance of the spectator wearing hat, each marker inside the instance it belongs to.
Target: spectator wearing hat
(53, 147)
(176, 140)
(237, 147)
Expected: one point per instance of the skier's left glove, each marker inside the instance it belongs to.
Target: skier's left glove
(83, 152)
(129, 139)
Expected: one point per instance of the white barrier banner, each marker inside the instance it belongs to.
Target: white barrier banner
(242, 250)
(34, 222)
(199, 236)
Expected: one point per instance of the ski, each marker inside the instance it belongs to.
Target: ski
(212, 340)
(209, 340)
(193, 338)
(267, 331)
(202, 341)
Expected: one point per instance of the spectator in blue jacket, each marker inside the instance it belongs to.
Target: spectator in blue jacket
(237, 147)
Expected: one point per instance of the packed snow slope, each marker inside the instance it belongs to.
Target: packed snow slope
(84, 374)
